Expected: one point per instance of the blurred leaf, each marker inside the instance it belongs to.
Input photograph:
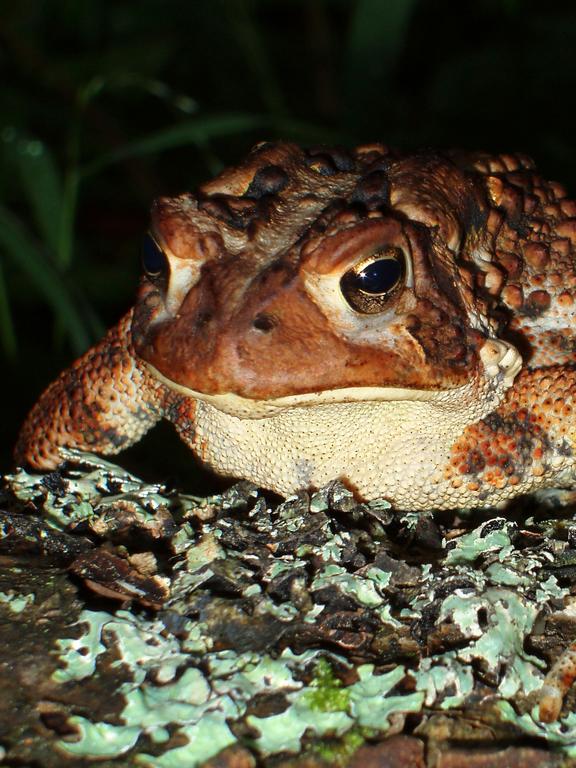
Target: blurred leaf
(66, 239)
(308, 133)
(377, 37)
(376, 40)
(7, 335)
(47, 279)
(130, 81)
(42, 186)
(252, 44)
(198, 131)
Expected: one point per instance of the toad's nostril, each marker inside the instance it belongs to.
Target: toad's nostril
(264, 322)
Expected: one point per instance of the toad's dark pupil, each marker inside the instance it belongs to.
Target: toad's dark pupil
(153, 258)
(379, 276)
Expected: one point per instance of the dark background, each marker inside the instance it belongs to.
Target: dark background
(107, 104)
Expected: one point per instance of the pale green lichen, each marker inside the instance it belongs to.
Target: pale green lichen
(561, 733)
(191, 700)
(494, 613)
(183, 698)
(445, 680)
(370, 702)
(17, 603)
(364, 590)
(322, 707)
(140, 643)
(91, 494)
(100, 739)
(78, 655)
(481, 541)
(284, 732)
(204, 740)
(499, 644)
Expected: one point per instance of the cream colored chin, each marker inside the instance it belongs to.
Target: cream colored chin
(244, 407)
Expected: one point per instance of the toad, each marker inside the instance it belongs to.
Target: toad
(400, 321)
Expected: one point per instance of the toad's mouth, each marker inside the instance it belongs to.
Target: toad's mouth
(248, 408)
(501, 362)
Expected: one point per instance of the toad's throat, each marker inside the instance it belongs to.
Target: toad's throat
(247, 408)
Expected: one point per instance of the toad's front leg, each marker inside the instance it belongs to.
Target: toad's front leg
(527, 443)
(104, 402)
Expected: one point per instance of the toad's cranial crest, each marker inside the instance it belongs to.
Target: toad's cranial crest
(402, 322)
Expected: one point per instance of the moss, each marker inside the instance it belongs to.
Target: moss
(339, 751)
(325, 692)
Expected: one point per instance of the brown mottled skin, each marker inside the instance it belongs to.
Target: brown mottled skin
(453, 387)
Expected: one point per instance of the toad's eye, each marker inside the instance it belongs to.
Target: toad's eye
(370, 285)
(154, 259)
